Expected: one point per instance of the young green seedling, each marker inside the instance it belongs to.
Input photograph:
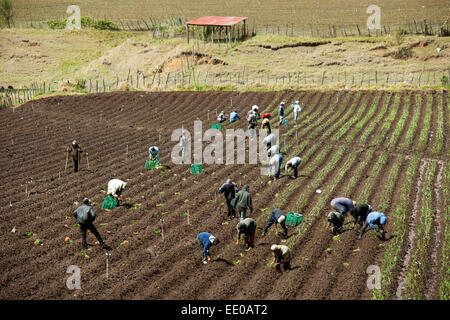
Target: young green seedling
(30, 234)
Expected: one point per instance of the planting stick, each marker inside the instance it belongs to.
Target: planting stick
(67, 159)
(162, 227)
(59, 174)
(107, 264)
(87, 159)
(208, 114)
(188, 216)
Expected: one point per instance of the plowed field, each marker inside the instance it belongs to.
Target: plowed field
(389, 149)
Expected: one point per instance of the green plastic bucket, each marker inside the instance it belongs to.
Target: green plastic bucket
(196, 168)
(150, 165)
(293, 219)
(109, 203)
(216, 126)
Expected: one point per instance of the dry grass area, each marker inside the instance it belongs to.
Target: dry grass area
(260, 12)
(28, 55)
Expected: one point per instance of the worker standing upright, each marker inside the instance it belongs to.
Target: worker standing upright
(85, 216)
(281, 111)
(243, 202)
(75, 151)
(229, 190)
(297, 109)
(255, 109)
(251, 118)
(183, 146)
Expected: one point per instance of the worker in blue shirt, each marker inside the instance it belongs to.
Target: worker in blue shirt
(376, 220)
(205, 240)
(234, 116)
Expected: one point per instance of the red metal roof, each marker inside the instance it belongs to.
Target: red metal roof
(216, 21)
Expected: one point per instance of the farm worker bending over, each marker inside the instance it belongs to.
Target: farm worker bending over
(278, 217)
(336, 219)
(251, 122)
(281, 111)
(275, 163)
(229, 190)
(360, 212)
(281, 257)
(297, 109)
(221, 117)
(85, 217)
(266, 123)
(376, 220)
(243, 201)
(273, 150)
(270, 140)
(206, 240)
(343, 205)
(247, 227)
(255, 109)
(153, 154)
(115, 188)
(293, 165)
(234, 116)
(75, 151)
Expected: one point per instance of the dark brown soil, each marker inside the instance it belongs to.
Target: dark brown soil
(168, 265)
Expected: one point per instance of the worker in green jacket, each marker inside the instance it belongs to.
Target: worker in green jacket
(243, 201)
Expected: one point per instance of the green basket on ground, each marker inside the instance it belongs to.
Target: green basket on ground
(109, 203)
(196, 168)
(217, 126)
(293, 219)
(150, 165)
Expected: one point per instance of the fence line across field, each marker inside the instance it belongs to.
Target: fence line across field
(192, 79)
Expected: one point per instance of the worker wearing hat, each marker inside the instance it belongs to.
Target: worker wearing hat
(75, 151)
(276, 217)
(85, 216)
(281, 257)
(376, 220)
(234, 116)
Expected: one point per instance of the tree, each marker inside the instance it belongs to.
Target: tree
(6, 12)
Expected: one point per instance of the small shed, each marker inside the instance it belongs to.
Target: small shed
(229, 23)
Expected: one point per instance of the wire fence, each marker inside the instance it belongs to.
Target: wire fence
(175, 27)
(191, 79)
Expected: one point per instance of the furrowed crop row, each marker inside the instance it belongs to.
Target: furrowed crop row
(424, 136)
(375, 122)
(398, 227)
(401, 122)
(385, 199)
(381, 135)
(361, 123)
(360, 107)
(376, 171)
(318, 180)
(444, 274)
(438, 144)
(416, 276)
(412, 125)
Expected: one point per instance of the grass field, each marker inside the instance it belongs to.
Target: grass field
(259, 12)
